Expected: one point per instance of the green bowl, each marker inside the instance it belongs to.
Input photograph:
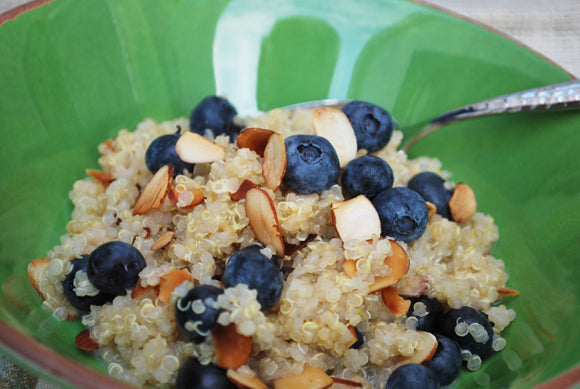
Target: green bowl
(73, 73)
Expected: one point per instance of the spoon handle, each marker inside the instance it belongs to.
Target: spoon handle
(562, 95)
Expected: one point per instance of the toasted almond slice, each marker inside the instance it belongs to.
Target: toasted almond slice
(231, 348)
(163, 240)
(243, 381)
(263, 218)
(349, 267)
(425, 348)
(138, 290)
(292, 249)
(354, 338)
(398, 262)
(168, 282)
(413, 286)
(395, 303)
(35, 270)
(311, 378)
(84, 341)
(100, 176)
(462, 203)
(344, 381)
(507, 292)
(194, 148)
(356, 218)
(333, 124)
(274, 165)
(244, 187)
(186, 199)
(432, 208)
(254, 139)
(153, 194)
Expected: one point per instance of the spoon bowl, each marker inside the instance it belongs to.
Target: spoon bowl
(563, 95)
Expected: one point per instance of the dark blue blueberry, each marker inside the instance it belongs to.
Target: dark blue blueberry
(367, 175)
(311, 164)
(430, 186)
(197, 312)
(447, 360)
(161, 152)
(412, 376)
(258, 272)
(360, 339)
(257, 247)
(194, 375)
(403, 213)
(114, 267)
(214, 113)
(373, 126)
(428, 318)
(453, 326)
(82, 303)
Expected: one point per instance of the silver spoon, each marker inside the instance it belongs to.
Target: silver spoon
(555, 96)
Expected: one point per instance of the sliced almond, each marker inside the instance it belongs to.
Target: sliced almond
(395, 303)
(274, 165)
(333, 124)
(186, 199)
(168, 282)
(354, 338)
(35, 270)
(243, 189)
(344, 381)
(153, 194)
(356, 218)
(425, 348)
(100, 176)
(462, 203)
(163, 240)
(292, 249)
(138, 290)
(507, 292)
(254, 139)
(431, 208)
(263, 218)
(231, 348)
(311, 378)
(399, 263)
(244, 381)
(194, 148)
(84, 341)
(413, 286)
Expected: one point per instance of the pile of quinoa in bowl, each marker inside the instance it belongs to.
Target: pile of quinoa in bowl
(327, 319)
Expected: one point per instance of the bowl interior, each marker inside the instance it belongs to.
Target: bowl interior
(74, 73)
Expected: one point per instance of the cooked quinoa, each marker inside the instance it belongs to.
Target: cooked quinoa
(138, 337)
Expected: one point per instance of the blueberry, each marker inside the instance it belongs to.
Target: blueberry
(367, 175)
(257, 248)
(258, 272)
(470, 328)
(430, 186)
(214, 113)
(373, 126)
(412, 376)
(197, 312)
(114, 267)
(82, 303)
(311, 164)
(403, 213)
(447, 360)
(161, 152)
(193, 375)
(428, 312)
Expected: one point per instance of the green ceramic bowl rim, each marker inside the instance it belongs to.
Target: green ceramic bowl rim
(44, 361)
